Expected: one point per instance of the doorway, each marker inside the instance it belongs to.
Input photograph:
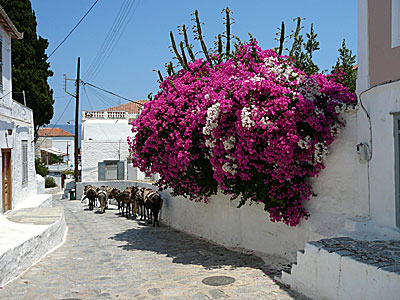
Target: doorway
(6, 175)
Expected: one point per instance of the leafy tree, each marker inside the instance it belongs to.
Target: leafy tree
(41, 168)
(30, 69)
(344, 71)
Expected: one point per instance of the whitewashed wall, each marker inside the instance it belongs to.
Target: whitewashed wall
(98, 151)
(380, 187)
(61, 143)
(106, 130)
(249, 227)
(20, 120)
(106, 140)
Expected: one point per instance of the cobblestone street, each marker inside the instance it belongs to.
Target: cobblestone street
(111, 257)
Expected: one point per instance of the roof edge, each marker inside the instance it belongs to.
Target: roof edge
(10, 27)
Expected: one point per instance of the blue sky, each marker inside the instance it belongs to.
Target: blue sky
(143, 46)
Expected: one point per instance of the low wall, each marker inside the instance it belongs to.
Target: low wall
(249, 227)
(23, 250)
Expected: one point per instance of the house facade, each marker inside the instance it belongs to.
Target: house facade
(55, 141)
(105, 153)
(378, 89)
(16, 130)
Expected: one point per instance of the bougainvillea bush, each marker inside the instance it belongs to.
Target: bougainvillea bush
(253, 126)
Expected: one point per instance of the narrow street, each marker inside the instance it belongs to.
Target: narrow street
(111, 257)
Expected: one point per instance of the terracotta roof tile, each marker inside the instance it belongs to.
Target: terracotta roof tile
(131, 107)
(54, 132)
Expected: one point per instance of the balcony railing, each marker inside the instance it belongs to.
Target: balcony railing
(95, 114)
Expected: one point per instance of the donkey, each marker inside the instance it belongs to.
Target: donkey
(103, 198)
(152, 202)
(122, 199)
(134, 192)
(91, 194)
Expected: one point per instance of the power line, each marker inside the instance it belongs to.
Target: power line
(66, 106)
(90, 104)
(124, 16)
(84, 16)
(112, 93)
(117, 38)
(106, 43)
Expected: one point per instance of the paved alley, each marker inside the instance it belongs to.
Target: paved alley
(111, 257)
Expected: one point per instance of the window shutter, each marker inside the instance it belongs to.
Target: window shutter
(121, 170)
(101, 170)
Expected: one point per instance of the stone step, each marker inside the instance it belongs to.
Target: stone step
(345, 268)
(26, 235)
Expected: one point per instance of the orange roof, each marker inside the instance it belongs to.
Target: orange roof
(53, 132)
(131, 107)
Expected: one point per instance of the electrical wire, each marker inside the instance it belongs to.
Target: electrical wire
(90, 104)
(100, 97)
(107, 41)
(122, 20)
(112, 93)
(59, 118)
(73, 29)
(116, 42)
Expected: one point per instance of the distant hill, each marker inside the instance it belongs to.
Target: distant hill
(70, 129)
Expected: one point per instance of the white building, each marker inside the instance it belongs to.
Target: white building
(104, 148)
(55, 141)
(16, 130)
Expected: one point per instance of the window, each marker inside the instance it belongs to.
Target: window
(111, 170)
(395, 23)
(24, 162)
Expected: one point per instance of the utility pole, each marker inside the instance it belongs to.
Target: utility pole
(76, 121)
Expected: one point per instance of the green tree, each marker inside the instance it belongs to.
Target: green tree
(30, 68)
(41, 168)
(344, 71)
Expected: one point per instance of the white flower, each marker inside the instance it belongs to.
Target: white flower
(229, 169)
(210, 143)
(320, 153)
(304, 144)
(211, 119)
(264, 120)
(207, 96)
(246, 118)
(229, 143)
(256, 78)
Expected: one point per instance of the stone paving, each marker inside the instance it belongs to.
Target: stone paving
(384, 254)
(110, 257)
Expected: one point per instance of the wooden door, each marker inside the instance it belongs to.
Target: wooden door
(6, 175)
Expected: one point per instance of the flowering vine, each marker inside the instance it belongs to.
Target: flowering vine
(253, 126)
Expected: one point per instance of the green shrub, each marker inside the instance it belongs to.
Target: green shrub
(68, 172)
(49, 182)
(41, 169)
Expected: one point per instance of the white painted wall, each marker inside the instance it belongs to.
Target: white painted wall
(98, 151)
(249, 227)
(5, 93)
(62, 142)
(380, 187)
(106, 140)
(106, 130)
(21, 123)
(321, 275)
(19, 118)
